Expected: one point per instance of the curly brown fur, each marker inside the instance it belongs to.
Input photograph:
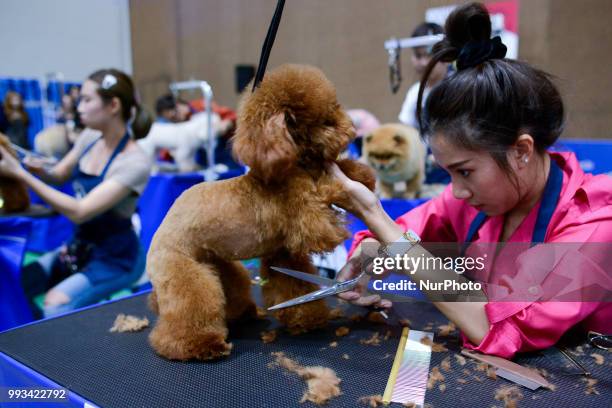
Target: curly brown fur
(13, 192)
(280, 211)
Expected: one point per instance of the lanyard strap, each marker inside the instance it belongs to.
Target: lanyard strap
(267, 46)
(552, 191)
(88, 148)
(549, 202)
(118, 150)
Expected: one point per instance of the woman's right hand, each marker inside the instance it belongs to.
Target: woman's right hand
(36, 165)
(9, 164)
(359, 296)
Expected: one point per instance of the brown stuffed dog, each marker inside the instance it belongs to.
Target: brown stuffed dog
(288, 129)
(14, 195)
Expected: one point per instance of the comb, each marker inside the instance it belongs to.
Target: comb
(516, 373)
(408, 379)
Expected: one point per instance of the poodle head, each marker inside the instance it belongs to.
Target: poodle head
(292, 119)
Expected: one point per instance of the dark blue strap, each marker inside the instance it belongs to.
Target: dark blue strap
(474, 226)
(88, 148)
(549, 202)
(550, 198)
(118, 150)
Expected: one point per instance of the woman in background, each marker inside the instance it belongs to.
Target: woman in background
(108, 172)
(490, 125)
(16, 119)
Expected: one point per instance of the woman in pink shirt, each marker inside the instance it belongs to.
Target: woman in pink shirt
(490, 126)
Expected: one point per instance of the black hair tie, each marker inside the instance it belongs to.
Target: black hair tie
(474, 53)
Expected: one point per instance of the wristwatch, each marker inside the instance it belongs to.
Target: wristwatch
(401, 246)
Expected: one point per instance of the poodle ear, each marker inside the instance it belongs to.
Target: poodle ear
(269, 152)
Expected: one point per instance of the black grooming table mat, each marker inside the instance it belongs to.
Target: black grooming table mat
(120, 369)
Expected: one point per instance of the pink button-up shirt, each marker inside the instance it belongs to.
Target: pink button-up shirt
(583, 215)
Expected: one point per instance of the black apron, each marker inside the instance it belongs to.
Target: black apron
(112, 245)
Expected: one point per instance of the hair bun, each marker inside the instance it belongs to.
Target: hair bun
(470, 22)
(476, 52)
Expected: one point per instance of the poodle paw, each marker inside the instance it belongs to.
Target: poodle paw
(207, 345)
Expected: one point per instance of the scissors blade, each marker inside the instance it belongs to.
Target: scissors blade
(337, 287)
(309, 297)
(26, 152)
(317, 280)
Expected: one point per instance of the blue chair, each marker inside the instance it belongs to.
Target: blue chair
(14, 308)
(594, 155)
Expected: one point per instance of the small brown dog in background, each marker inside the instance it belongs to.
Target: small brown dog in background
(397, 154)
(281, 210)
(13, 193)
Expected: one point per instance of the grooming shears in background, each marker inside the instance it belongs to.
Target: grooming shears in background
(23, 153)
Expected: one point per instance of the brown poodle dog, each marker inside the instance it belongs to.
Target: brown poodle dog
(288, 129)
(14, 194)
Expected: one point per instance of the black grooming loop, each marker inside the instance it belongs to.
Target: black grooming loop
(395, 69)
(268, 43)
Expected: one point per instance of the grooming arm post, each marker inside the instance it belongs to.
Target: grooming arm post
(413, 42)
(394, 46)
(211, 141)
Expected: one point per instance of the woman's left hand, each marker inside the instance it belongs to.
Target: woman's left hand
(9, 165)
(362, 201)
(364, 204)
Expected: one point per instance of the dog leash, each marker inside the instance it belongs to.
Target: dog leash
(268, 43)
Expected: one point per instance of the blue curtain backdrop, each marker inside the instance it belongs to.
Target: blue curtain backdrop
(54, 94)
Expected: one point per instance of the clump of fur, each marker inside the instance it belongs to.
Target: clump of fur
(128, 323)
(510, 395)
(268, 336)
(446, 329)
(322, 382)
(590, 386)
(373, 340)
(599, 359)
(434, 376)
(342, 331)
(435, 347)
(372, 401)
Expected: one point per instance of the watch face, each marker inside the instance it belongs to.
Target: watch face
(412, 237)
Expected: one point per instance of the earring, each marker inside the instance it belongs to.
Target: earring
(525, 159)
